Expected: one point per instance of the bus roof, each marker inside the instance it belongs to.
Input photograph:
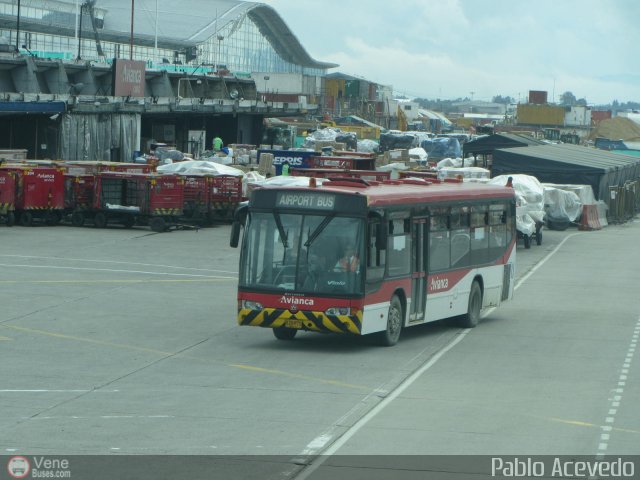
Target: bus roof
(398, 192)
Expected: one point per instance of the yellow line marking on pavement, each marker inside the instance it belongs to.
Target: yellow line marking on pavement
(296, 375)
(85, 340)
(162, 353)
(5, 338)
(590, 425)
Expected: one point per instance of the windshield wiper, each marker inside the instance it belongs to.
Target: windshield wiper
(318, 230)
(283, 234)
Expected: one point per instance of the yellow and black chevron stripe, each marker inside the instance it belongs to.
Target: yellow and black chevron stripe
(6, 208)
(312, 321)
(167, 211)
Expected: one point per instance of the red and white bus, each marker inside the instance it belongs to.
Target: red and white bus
(423, 251)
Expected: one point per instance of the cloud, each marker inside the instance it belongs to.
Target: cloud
(449, 48)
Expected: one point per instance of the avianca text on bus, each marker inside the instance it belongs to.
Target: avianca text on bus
(365, 257)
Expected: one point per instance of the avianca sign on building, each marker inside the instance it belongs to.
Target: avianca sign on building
(128, 78)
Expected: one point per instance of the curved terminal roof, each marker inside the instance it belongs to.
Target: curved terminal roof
(190, 22)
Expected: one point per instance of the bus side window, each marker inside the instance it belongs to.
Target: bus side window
(460, 237)
(439, 243)
(376, 257)
(479, 235)
(497, 231)
(399, 247)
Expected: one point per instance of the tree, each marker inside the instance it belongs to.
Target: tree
(568, 99)
(500, 99)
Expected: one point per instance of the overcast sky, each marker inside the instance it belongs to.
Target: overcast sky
(477, 48)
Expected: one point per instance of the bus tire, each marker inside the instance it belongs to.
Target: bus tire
(284, 333)
(390, 336)
(11, 219)
(471, 318)
(100, 220)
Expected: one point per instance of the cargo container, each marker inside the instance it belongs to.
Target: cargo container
(335, 87)
(540, 115)
(537, 97)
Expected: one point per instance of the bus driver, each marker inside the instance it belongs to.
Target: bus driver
(349, 262)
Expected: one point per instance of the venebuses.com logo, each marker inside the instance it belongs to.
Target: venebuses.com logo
(18, 467)
(38, 467)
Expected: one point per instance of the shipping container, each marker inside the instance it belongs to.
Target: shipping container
(599, 115)
(537, 97)
(540, 115)
(335, 87)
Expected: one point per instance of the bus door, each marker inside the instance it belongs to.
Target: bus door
(419, 269)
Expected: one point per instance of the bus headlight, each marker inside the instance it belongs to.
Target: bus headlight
(251, 305)
(335, 311)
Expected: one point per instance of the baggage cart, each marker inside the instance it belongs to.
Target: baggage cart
(225, 195)
(130, 198)
(78, 197)
(8, 197)
(39, 193)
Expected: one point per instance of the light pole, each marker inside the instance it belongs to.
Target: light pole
(18, 29)
(266, 79)
(220, 39)
(131, 37)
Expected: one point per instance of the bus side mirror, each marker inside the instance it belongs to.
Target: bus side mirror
(381, 236)
(239, 219)
(235, 234)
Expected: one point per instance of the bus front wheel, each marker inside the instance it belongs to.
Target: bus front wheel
(471, 318)
(391, 335)
(284, 333)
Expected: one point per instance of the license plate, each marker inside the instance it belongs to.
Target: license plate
(293, 323)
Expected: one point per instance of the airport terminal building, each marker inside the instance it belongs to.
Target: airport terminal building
(100, 79)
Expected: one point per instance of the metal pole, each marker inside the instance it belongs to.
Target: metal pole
(80, 33)
(18, 29)
(155, 53)
(77, 17)
(131, 38)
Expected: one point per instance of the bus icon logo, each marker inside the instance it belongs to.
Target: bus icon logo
(18, 467)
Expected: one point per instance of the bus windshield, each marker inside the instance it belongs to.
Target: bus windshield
(317, 254)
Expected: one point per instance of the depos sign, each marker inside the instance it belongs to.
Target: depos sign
(128, 78)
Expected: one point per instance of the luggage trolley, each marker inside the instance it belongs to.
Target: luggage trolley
(130, 198)
(8, 197)
(39, 193)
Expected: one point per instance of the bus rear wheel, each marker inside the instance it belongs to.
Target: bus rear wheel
(284, 333)
(391, 334)
(471, 318)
